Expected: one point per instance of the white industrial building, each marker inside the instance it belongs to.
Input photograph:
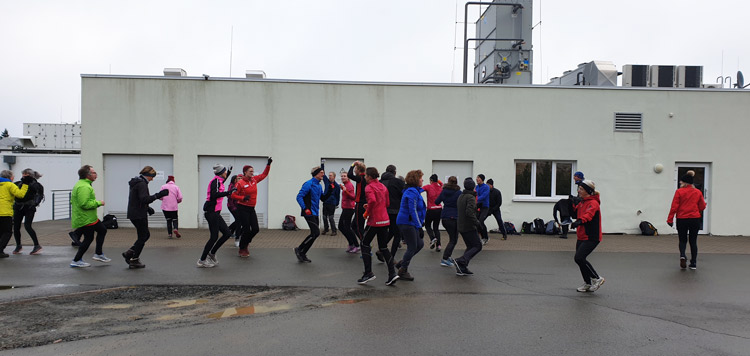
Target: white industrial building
(529, 139)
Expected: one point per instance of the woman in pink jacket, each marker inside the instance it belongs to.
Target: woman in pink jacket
(169, 205)
(377, 224)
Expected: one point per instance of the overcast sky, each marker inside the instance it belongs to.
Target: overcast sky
(47, 45)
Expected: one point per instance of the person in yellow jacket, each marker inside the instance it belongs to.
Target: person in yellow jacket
(8, 194)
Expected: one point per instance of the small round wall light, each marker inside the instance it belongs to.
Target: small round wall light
(658, 168)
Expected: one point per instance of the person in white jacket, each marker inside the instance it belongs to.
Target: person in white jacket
(169, 206)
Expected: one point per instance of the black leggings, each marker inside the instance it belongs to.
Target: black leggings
(25, 214)
(345, 226)
(249, 222)
(473, 246)
(314, 224)
(358, 225)
(414, 244)
(6, 231)
(171, 217)
(88, 236)
(394, 232)
(451, 227)
(141, 228)
(216, 224)
(500, 225)
(687, 230)
(382, 233)
(583, 249)
(482, 216)
(432, 224)
(236, 226)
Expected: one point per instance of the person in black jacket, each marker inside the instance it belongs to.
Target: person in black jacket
(138, 212)
(24, 210)
(449, 198)
(396, 188)
(468, 223)
(357, 174)
(496, 200)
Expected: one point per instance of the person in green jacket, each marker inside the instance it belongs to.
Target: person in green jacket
(8, 194)
(84, 218)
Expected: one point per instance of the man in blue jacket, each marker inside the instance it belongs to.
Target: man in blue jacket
(329, 205)
(309, 198)
(483, 203)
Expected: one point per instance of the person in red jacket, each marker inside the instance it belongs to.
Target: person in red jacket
(376, 195)
(245, 197)
(432, 220)
(347, 212)
(687, 205)
(589, 231)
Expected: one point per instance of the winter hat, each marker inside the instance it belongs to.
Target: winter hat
(688, 177)
(469, 184)
(219, 169)
(579, 174)
(170, 179)
(314, 172)
(588, 186)
(481, 176)
(490, 181)
(433, 178)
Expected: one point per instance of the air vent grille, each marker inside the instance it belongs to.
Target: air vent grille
(628, 122)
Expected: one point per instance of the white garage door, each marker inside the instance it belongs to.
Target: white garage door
(117, 172)
(445, 169)
(206, 172)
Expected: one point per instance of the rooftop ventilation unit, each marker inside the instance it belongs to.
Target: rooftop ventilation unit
(662, 77)
(689, 76)
(175, 72)
(255, 74)
(635, 75)
(594, 73)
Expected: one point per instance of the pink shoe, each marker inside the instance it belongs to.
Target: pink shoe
(349, 249)
(356, 250)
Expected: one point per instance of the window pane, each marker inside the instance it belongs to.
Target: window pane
(544, 178)
(523, 178)
(564, 176)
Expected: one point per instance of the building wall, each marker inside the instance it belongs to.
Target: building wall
(413, 125)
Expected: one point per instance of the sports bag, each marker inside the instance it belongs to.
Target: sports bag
(552, 228)
(290, 223)
(510, 229)
(647, 229)
(539, 226)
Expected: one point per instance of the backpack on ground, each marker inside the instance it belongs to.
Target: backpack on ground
(290, 223)
(510, 229)
(539, 226)
(647, 229)
(110, 221)
(552, 228)
(527, 228)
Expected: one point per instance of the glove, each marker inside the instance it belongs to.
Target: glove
(163, 193)
(151, 211)
(27, 180)
(308, 212)
(576, 224)
(269, 161)
(669, 223)
(246, 198)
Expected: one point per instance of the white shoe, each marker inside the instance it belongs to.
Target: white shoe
(205, 264)
(596, 283)
(101, 258)
(236, 242)
(584, 288)
(212, 258)
(79, 264)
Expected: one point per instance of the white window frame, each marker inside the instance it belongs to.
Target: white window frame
(532, 197)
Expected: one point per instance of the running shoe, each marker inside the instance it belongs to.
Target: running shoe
(101, 258)
(459, 272)
(350, 249)
(404, 274)
(485, 241)
(212, 258)
(356, 249)
(596, 283)
(244, 253)
(392, 279)
(446, 262)
(433, 242)
(304, 257)
(584, 288)
(236, 242)
(36, 251)
(4, 255)
(169, 237)
(438, 248)
(693, 266)
(79, 264)
(135, 263)
(366, 278)
(18, 250)
(177, 234)
(379, 255)
(298, 254)
(205, 263)
(466, 272)
(683, 262)
(75, 238)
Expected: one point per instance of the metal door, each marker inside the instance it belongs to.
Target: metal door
(702, 182)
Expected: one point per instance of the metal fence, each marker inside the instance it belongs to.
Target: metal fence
(61, 205)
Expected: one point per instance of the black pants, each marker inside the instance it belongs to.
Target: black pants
(249, 222)
(358, 224)
(395, 233)
(236, 227)
(141, 228)
(88, 236)
(432, 224)
(382, 233)
(583, 249)
(500, 224)
(24, 214)
(687, 230)
(482, 216)
(564, 229)
(328, 211)
(216, 224)
(6, 231)
(345, 226)
(414, 244)
(171, 217)
(313, 223)
(451, 227)
(473, 246)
